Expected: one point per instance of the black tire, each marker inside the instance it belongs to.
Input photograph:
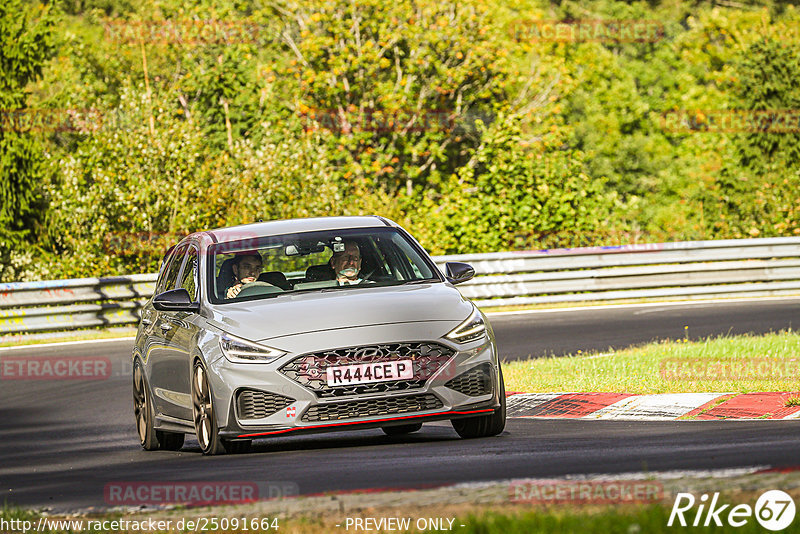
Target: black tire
(150, 438)
(205, 421)
(400, 430)
(484, 426)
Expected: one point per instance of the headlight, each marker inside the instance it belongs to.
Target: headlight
(240, 350)
(474, 327)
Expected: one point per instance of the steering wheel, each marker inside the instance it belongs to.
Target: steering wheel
(257, 288)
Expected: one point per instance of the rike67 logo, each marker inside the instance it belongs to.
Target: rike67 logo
(774, 510)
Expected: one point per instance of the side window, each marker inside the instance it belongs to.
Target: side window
(163, 265)
(162, 270)
(409, 261)
(172, 270)
(189, 277)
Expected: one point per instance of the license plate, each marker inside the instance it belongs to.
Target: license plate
(365, 373)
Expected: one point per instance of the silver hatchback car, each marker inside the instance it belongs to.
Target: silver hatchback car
(310, 325)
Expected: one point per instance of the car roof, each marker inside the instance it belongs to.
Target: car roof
(290, 226)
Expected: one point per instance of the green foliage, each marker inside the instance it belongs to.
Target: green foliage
(512, 195)
(447, 117)
(125, 188)
(225, 94)
(128, 193)
(26, 39)
(767, 81)
(756, 192)
(25, 45)
(399, 84)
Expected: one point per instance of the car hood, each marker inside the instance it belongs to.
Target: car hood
(265, 319)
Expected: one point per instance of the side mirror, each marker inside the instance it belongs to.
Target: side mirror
(457, 272)
(177, 300)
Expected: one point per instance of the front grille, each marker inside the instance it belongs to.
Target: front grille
(475, 382)
(371, 407)
(309, 370)
(255, 404)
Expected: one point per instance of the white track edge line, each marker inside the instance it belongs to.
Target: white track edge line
(64, 343)
(642, 305)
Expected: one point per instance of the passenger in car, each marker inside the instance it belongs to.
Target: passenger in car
(347, 264)
(246, 268)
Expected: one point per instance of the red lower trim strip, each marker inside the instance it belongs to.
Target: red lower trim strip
(360, 422)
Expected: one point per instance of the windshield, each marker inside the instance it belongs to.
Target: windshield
(273, 266)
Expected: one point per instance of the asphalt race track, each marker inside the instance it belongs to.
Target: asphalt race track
(62, 442)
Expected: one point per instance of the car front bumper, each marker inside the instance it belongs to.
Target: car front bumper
(446, 394)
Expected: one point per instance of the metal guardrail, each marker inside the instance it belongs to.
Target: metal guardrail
(686, 270)
(71, 304)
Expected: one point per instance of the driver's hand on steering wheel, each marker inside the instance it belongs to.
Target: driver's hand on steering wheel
(235, 289)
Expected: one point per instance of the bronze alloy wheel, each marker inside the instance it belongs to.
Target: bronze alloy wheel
(203, 410)
(141, 410)
(150, 438)
(205, 421)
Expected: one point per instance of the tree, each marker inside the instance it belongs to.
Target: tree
(756, 191)
(512, 196)
(25, 45)
(398, 83)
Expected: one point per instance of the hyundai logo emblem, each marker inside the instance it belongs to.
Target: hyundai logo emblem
(368, 353)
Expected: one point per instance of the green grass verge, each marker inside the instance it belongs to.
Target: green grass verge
(736, 364)
(608, 519)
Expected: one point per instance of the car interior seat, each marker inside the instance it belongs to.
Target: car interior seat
(225, 278)
(369, 269)
(317, 273)
(276, 278)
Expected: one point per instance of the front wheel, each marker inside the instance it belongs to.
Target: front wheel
(205, 422)
(484, 426)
